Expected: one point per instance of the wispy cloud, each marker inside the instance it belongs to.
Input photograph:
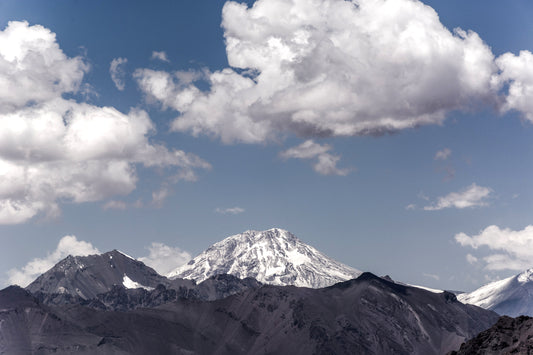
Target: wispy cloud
(472, 196)
(325, 164)
(118, 74)
(443, 154)
(432, 276)
(471, 259)
(162, 56)
(68, 245)
(232, 210)
(121, 205)
(115, 205)
(159, 196)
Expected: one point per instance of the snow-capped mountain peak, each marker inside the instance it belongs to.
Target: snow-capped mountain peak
(512, 296)
(274, 256)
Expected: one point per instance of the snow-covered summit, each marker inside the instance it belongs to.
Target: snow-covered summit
(274, 256)
(512, 296)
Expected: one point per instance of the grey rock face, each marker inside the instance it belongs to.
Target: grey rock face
(88, 276)
(28, 327)
(507, 336)
(274, 257)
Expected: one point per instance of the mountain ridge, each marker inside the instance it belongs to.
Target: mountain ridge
(512, 296)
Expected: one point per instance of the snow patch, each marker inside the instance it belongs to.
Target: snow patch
(126, 255)
(129, 283)
(434, 290)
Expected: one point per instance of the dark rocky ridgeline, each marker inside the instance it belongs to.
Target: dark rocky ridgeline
(507, 336)
(368, 315)
(120, 298)
(29, 327)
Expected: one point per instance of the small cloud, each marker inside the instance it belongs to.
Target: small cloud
(164, 258)
(159, 197)
(472, 196)
(410, 207)
(162, 56)
(422, 196)
(443, 154)
(115, 205)
(471, 259)
(232, 210)
(118, 74)
(121, 205)
(432, 276)
(326, 163)
(68, 245)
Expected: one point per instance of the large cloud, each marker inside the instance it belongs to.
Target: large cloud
(328, 67)
(68, 245)
(55, 149)
(514, 249)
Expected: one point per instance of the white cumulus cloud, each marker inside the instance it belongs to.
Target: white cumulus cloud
(513, 249)
(55, 149)
(329, 67)
(68, 245)
(517, 72)
(472, 196)
(326, 163)
(164, 259)
(117, 72)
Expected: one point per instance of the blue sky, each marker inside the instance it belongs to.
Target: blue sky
(372, 133)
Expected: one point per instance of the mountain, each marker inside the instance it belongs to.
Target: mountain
(368, 315)
(512, 296)
(274, 256)
(88, 276)
(507, 336)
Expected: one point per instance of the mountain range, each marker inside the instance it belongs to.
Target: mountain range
(257, 292)
(368, 315)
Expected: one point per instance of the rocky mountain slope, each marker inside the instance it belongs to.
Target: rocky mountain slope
(88, 276)
(274, 256)
(507, 336)
(368, 315)
(512, 296)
